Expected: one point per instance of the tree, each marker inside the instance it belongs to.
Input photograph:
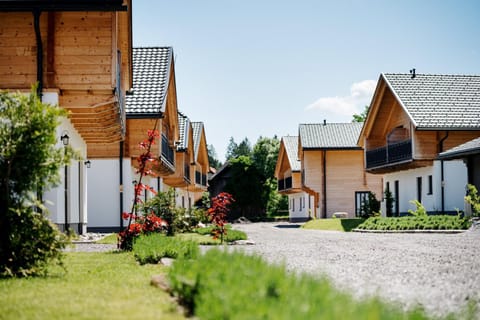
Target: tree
(362, 116)
(212, 157)
(265, 154)
(246, 185)
(235, 150)
(29, 164)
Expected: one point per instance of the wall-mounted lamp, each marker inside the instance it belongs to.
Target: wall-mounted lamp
(134, 182)
(88, 164)
(65, 138)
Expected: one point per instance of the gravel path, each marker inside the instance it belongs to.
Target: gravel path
(441, 272)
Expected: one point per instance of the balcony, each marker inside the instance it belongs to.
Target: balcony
(284, 184)
(186, 170)
(393, 153)
(200, 179)
(168, 154)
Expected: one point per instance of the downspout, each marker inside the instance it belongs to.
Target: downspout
(324, 200)
(442, 171)
(120, 160)
(38, 36)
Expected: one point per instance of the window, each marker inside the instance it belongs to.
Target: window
(183, 202)
(293, 204)
(300, 207)
(419, 189)
(430, 184)
(397, 197)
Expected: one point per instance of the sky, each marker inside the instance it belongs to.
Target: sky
(255, 68)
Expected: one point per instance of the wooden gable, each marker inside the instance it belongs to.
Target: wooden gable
(391, 140)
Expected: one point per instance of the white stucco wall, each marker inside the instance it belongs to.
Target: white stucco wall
(104, 192)
(299, 206)
(54, 198)
(455, 180)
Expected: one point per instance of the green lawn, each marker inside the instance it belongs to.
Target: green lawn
(96, 286)
(333, 224)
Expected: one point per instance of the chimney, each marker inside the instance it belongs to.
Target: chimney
(324, 122)
(412, 72)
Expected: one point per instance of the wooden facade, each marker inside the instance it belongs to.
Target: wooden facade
(201, 166)
(182, 177)
(84, 56)
(333, 177)
(289, 179)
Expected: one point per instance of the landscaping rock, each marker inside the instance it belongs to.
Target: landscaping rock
(167, 261)
(160, 281)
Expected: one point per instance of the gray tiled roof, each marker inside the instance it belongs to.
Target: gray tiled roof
(197, 135)
(291, 148)
(470, 147)
(151, 73)
(439, 101)
(330, 135)
(183, 126)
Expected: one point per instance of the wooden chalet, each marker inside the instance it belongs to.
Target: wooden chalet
(153, 106)
(332, 169)
(289, 180)
(200, 159)
(288, 166)
(78, 53)
(184, 155)
(412, 118)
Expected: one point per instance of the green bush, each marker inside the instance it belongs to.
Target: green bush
(421, 222)
(29, 164)
(257, 290)
(151, 248)
(232, 234)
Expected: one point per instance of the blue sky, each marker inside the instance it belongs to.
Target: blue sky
(256, 68)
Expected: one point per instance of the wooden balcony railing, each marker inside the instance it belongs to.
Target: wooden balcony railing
(186, 170)
(168, 154)
(200, 178)
(390, 154)
(284, 184)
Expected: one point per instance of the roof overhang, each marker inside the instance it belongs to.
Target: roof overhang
(158, 115)
(61, 5)
(331, 148)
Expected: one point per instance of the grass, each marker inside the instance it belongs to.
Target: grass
(109, 239)
(96, 286)
(153, 247)
(234, 285)
(333, 224)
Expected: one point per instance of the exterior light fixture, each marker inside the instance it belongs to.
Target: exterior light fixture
(88, 164)
(65, 138)
(134, 182)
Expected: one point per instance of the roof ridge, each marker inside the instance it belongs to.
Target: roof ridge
(432, 74)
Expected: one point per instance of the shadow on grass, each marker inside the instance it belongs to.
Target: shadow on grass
(350, 224)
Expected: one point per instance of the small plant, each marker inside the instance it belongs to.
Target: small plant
(151, 248)
(389, 200)
(420, 209)
(370, 206)
(144, 225)
(473, 199)
(218, 214)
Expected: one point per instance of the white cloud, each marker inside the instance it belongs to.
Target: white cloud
(341, 109)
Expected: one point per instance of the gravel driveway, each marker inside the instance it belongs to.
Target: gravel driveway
(441, 272)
